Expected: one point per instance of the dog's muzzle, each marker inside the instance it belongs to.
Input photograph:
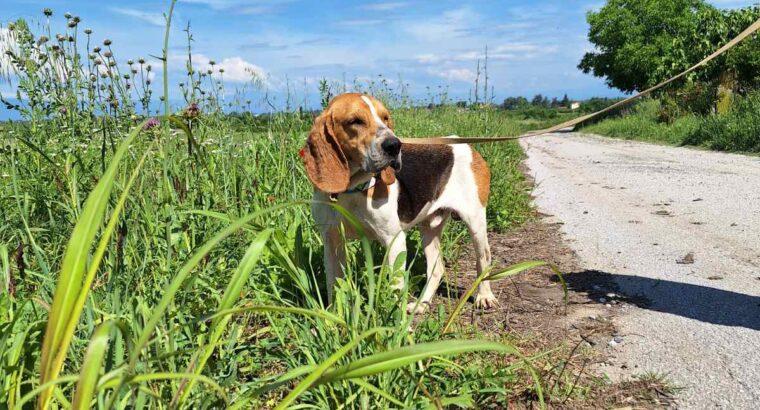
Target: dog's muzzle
(385, 151)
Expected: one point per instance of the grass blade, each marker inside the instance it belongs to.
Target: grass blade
(231, 295)
(394, 359)
(93, 361)
(312, 378)
(69, 284)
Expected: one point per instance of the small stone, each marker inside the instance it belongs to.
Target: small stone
(608, 305)
(611, 295)
(602, 300)
(618, 339)
(687, 259)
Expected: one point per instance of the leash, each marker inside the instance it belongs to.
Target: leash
(571, 123)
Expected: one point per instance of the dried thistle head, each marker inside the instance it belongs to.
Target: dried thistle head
(106, 42)
(88, 31)
(47, 11)
(67, 15)
(152, 123)
(191, 112)
(96, 49)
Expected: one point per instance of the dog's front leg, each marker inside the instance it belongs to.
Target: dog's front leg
(397, 246)
(335, 258)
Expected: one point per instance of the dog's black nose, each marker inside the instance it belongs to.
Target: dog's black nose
(392, 146)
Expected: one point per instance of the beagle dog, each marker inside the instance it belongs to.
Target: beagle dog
(352, 156)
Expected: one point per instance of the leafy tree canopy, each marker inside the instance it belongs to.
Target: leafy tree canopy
(640, 43)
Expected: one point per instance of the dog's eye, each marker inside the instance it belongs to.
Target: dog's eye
(356, 121)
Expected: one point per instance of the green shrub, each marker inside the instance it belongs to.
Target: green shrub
(736, 130)
(538, 113)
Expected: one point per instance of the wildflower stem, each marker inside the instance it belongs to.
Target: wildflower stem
(166, 57)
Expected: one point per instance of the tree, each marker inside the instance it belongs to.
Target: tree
(515, 103)
(565, 101)
(641, 43)
(537, 101)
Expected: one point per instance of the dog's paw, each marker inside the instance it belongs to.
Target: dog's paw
(486, 301)
(413, 308)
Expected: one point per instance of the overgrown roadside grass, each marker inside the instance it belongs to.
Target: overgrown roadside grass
(179, 202)
(738, 130)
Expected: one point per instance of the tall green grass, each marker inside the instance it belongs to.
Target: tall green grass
(737, 130)
(176, 266)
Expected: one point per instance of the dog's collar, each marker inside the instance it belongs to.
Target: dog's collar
(363, 187)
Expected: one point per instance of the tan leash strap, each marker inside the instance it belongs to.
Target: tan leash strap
(571, 123)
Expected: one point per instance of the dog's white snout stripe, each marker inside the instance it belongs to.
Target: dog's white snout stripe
(372, 109)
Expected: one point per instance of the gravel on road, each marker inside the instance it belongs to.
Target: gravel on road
(677, 230)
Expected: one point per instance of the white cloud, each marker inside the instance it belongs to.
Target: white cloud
(155, 19)
(251, 6)
(359, 22)
(255, 10)
(388, 6)
(445, 26)
(7, 42)
(428, 58)
(236, 69)
(456, 74)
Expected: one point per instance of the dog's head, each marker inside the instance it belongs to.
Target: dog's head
(354, 135)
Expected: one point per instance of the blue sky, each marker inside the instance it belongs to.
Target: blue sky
(534, 46)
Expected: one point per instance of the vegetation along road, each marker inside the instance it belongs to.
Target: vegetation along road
(674, 230)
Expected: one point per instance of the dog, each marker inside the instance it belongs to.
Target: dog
(353, 157)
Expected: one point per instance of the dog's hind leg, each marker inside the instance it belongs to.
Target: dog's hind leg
(478, 227)
(431, 230)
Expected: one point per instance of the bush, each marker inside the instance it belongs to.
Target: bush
(538, 113)
(737, 130)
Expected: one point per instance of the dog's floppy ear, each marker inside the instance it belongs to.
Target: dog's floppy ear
(388, 176)
(326, 164)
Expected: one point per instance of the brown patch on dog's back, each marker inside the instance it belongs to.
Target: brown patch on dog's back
(482, 176)
(425, 170)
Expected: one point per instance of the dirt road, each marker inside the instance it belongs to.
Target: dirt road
(677, 232)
